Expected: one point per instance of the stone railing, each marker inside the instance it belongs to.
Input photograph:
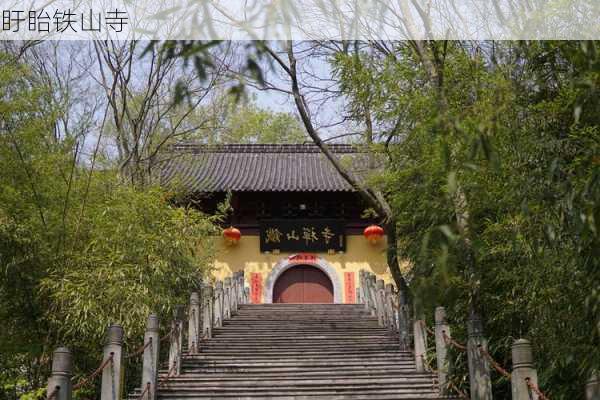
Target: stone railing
(381, 301)
(204, 312)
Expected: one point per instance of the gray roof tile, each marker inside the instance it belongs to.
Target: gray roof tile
(255, 167)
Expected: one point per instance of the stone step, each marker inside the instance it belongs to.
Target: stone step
(290, 370)
(283, 346)
(282, 396)
(301, 363)
(298, 351)
(242, 391)
(303, 385)
(298, 344)
(368, 382)
(275, 374)
(306, 339)
(298, 356)
(285, 396)
(347, 334)
(291, 331)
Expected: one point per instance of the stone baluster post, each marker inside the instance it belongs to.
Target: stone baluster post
(238, 285)
(389, 306)
(242, 286)
(523, 370)
(234, 293)
(59, 383)
(227, 299)
(246, 295)
(420, 339)
(207, 310)
(363, 288)
(150, 356)
(592, 388)
(380, 302)
(194, 323)
(111, 388)
(479, 369)
(218, 305)
(176, 342)
(403, 323)
(372, 294)
(441, 350)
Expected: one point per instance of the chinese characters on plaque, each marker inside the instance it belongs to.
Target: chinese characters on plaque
(302, 235)
(63, 20)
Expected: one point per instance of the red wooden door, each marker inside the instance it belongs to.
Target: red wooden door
(303, 284)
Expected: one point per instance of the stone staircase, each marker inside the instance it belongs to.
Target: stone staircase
(299, 351)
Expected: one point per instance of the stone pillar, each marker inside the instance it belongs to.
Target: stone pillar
(234, 293)
(362, 274)
(59, 383)
(176, 341)
(111, 375)
(242, 288)
(522, 358)
(379, 301)
(194, 323)
(207, 310)
(389, 306)
(150, 356)
(479, 369)
(404, 326)
(420, 338)
(592, 388)
(227, 299)
(218, 305)
(372, 294)
(441, 351)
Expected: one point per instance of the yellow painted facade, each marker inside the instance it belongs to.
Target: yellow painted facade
(246, 256)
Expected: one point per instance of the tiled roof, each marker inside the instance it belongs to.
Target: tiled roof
(257, 167)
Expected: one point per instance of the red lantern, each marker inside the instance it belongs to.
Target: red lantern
(373, 233)
(232, 235)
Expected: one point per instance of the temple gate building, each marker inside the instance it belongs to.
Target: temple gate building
(296, 228)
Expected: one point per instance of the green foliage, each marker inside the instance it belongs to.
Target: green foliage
(79, 248)
(514, 127)
(242, 121)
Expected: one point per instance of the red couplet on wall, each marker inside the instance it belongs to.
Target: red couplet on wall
(255, 288)
(349, 287)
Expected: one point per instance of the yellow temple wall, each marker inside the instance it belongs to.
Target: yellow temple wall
(246, 256)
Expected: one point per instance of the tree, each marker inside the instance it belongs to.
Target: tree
(241, 120)
(511, 125)
(143, 88)
(79, 247)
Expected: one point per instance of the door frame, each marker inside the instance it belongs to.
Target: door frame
(287, 263)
